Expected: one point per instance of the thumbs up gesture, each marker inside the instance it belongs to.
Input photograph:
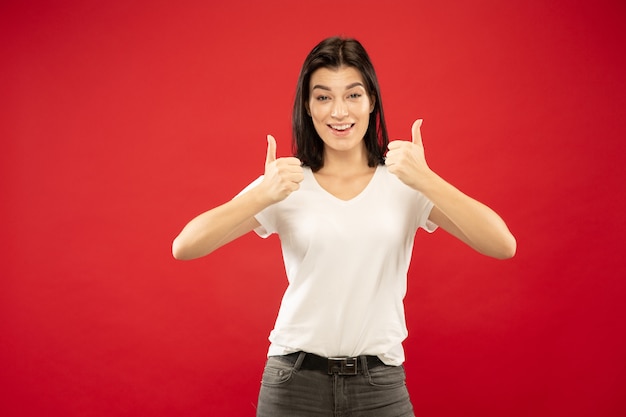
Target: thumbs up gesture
(406, 159)
(282, 176)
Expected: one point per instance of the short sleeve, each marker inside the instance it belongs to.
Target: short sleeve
(424, 222)
(423, 206)
(264, 217)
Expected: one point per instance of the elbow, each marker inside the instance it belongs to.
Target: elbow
(508, 248)
(186, 250)
(178, 251)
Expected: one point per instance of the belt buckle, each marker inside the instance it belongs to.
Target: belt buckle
(343, 366)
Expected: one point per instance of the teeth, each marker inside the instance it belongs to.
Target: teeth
(341, 127)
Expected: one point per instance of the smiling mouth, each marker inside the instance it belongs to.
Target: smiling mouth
(341, 128)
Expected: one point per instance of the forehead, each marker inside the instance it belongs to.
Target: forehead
(336, 78)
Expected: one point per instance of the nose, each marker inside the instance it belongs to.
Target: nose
(340, 110)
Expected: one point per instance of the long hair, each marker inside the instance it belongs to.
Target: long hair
(333, 53)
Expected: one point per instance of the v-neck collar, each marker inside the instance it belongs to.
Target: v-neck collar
(340, 200)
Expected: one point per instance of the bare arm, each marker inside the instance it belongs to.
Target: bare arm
(216, 227)
(467, 219)
(470, 221)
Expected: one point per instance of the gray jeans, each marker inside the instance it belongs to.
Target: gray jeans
(289, 390)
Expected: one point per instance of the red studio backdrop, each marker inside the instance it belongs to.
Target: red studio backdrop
(122, 120)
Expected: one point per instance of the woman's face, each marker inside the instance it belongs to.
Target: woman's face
(340, 107)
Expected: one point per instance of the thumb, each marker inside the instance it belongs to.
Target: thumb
(416, 133)
(271, 149)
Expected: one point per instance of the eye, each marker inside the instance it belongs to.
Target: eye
(322, 98)
(355, 95)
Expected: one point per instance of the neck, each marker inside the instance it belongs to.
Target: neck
(345, 162)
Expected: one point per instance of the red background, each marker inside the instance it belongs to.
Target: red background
(120, 121)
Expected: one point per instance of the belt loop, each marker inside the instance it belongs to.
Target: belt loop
(299, 361)
(366, 369)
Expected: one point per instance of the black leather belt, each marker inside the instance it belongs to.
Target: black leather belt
(339, 366)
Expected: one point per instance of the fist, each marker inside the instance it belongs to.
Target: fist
(406, 160)
(282, 176)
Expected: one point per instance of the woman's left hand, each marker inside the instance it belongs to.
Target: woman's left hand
(469, 220)
(407, 161)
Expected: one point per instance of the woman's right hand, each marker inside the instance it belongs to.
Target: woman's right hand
(282, 176)
(222, 224)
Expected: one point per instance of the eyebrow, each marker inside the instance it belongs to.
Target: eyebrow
(348, 87)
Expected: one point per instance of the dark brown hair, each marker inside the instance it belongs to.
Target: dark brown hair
(333, 53)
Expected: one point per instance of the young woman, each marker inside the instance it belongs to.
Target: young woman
(346, 208)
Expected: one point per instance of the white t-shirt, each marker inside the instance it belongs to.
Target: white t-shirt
(346, 263)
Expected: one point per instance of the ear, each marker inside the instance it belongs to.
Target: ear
(306, 106)
(372, 103)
